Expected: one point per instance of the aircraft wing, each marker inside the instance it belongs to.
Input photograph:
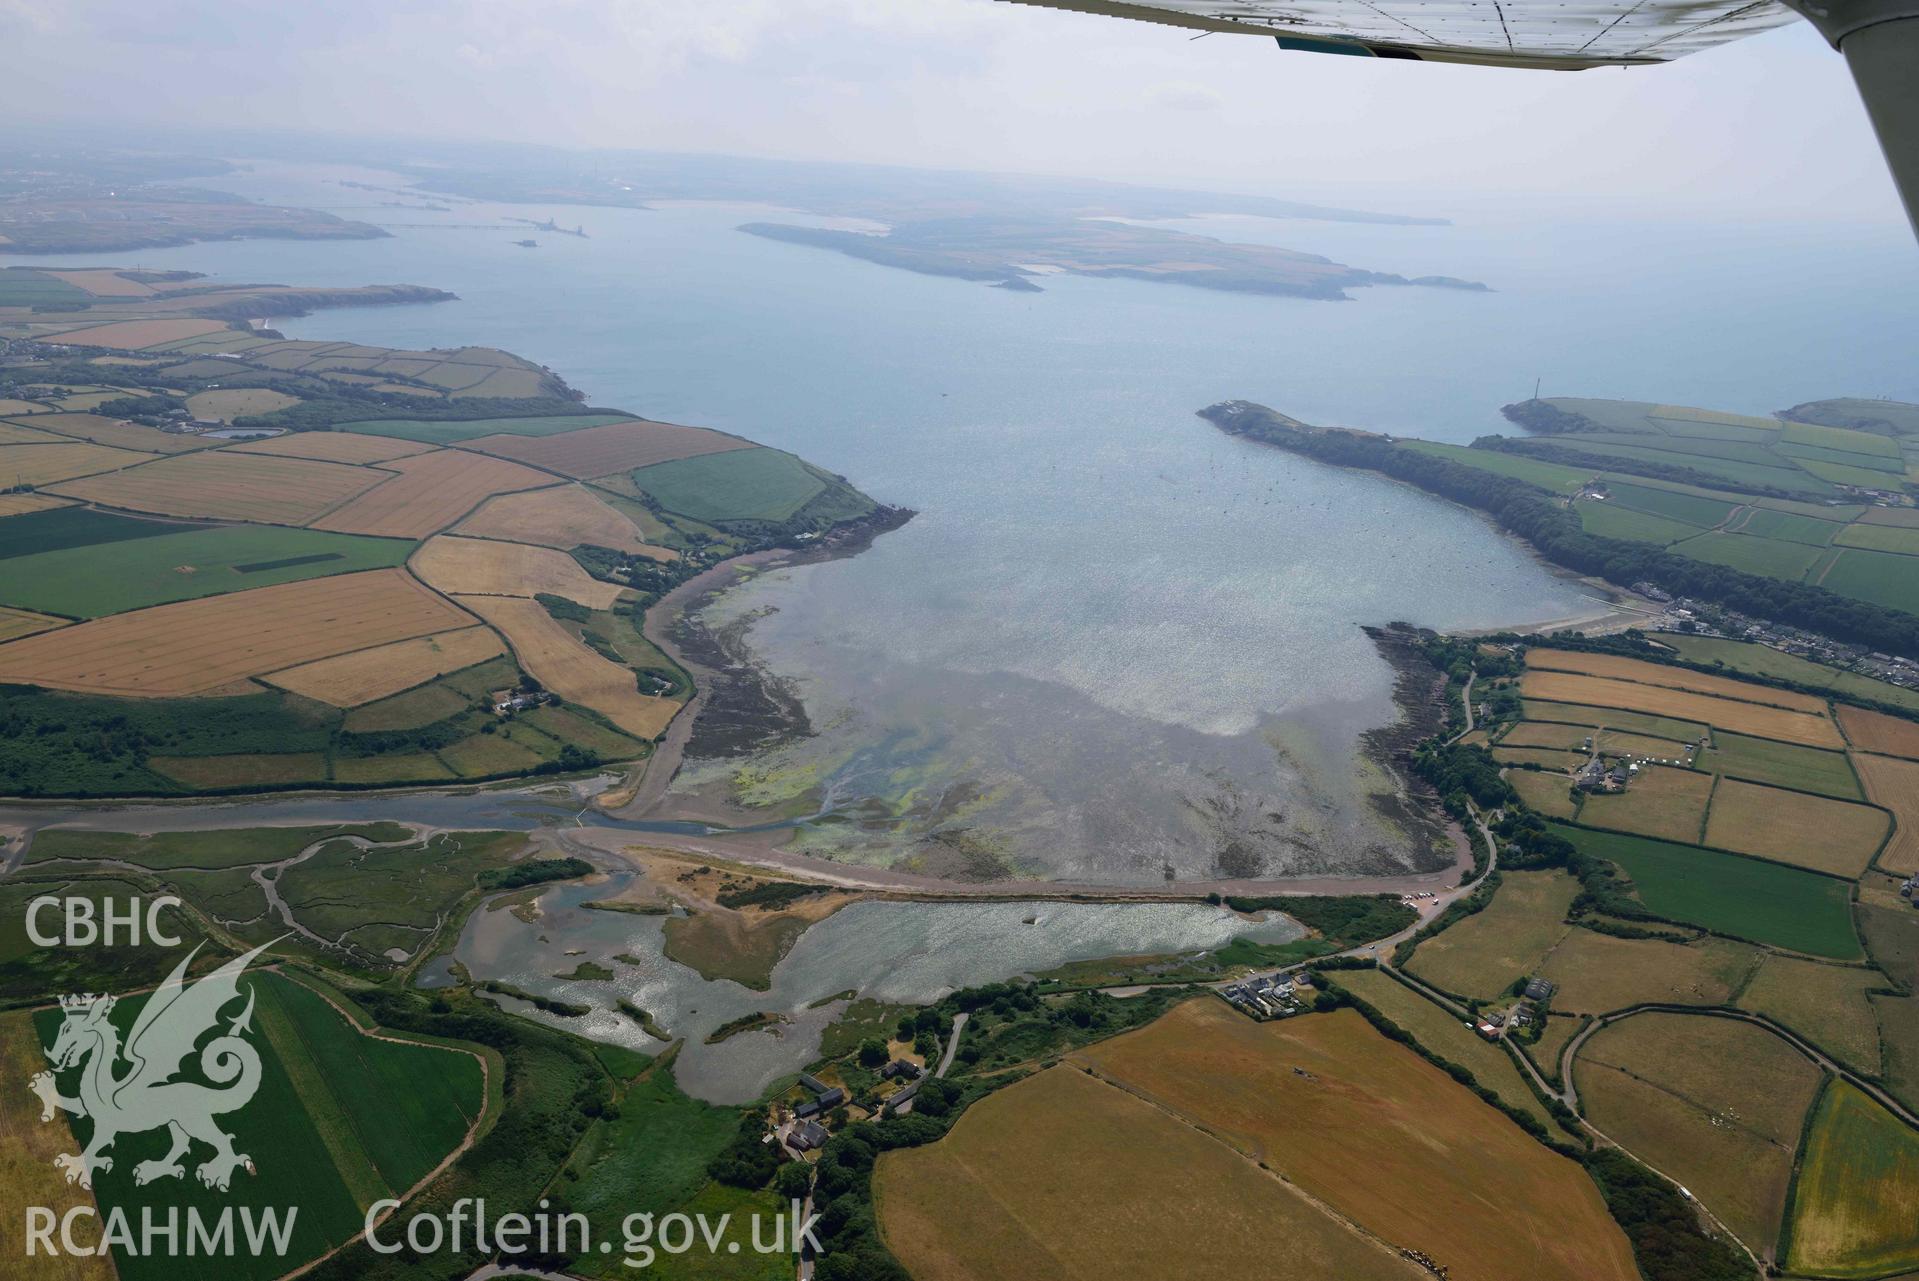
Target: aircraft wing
(1879, 38)
(1541, 34)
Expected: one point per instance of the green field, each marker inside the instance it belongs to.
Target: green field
(1674, 504)
(1611, 520)
(1763, 660)
(1880, 577)
(1882, 538)
(1852, 1206)
(1806, 769)
(1791, 527)
(26, 287)
(1744, 897)
(1771, 557)
(1554, 476)
(62, 527)
(337, 1121)
(448, 432)
(1843, 439)
(110, 578)
(738, 484)
(1737, 476)
(1614, 718)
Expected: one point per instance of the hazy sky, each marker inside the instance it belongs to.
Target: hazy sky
(1769, 127)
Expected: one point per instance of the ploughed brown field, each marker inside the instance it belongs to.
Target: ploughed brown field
(601, 451)
(1724, 713)
(121, 435)
(47, 464)
(1065, 1176)
(212, 644)
(483, 567)
(1378, 1134)
(1878, 732)
(564, 516)
(559, 661)
(430, 492)
(132, 335)
(1894, 783)
(21, 504)
(348, 680)
(335, 447)
(1633, 669)
(220, 485)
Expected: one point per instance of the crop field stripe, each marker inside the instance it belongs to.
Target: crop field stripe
(193, 646)
(329, 1118)
(429, 1095)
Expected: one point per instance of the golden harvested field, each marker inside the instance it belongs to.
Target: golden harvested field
(20, 434)
(223, 485)
(1741, 718)
(512, 383)
(1565, 738)
(1616, 743)
(228, 403)
(132, 335)
(1714, 1103)
(334, 447)
(348, 680)
(1894, 783)
(1792, 827)
(10, 406)
(1598, 973)
(1550, 794)
(48, 464)
(1379, 1134)
(1067, 1177)
(21, 504)
(1877, 732)
(200, 646)
(563, 516)
(564, 665)
(28, 1145)
(601, 451)
(102, 282)
(15, 623)
(482, 567)
(121, 435)
(430, 492)
(1633, 669)
(1508, 938)
(1667, 803)
(1826, 1004)
(1852, 1213)
(1445, 1035)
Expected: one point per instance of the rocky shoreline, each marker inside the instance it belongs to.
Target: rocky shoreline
(1419, 694)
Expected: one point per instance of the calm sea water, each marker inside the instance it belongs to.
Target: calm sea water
(1115, 641)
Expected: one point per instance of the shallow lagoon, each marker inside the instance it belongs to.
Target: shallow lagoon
(899, 952)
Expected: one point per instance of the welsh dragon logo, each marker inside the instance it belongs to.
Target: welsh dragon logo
(129, 1089)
